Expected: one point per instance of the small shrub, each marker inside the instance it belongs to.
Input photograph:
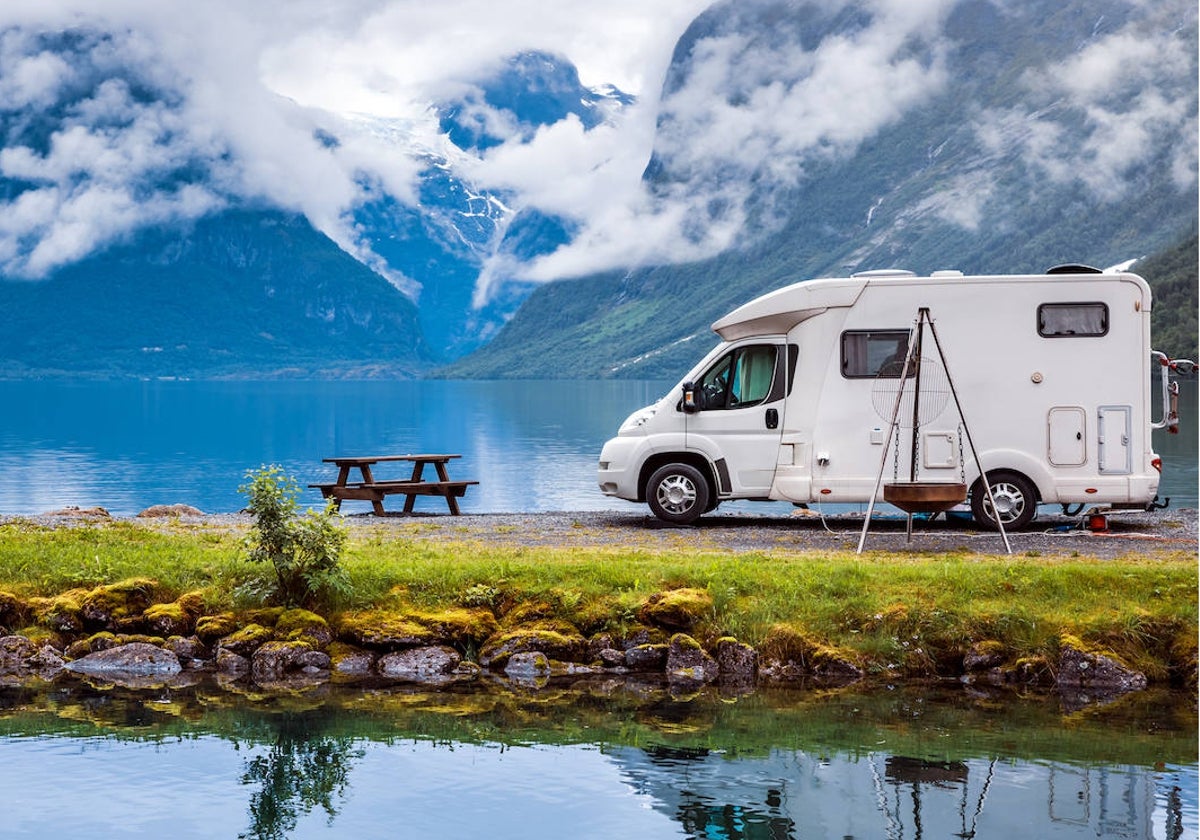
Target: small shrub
(304, 551)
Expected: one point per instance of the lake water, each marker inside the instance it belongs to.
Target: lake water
(597, 762)
(533, 445)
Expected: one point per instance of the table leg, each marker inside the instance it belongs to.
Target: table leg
(369, 478)
(410, 500)
(444, 475)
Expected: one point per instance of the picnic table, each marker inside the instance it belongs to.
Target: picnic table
(370, 489)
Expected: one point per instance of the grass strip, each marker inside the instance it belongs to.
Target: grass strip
(900, 612)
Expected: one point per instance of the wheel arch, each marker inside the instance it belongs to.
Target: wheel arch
(1014, 461)
(660, 459)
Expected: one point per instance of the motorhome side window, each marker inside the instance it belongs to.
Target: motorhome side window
(867, 354)
(1072, 320)
(739, 379)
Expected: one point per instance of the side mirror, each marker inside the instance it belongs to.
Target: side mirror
(690, 405)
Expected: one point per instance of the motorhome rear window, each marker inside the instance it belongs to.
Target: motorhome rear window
(1072, 320)
(865, 353)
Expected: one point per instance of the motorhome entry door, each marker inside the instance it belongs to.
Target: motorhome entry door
(740, 418)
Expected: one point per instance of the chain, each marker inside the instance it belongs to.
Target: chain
(962, 461)
(916, 457)
(896, 452)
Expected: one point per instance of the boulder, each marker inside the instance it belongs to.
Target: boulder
(303, 626)
(137, 658)
(531, 665)
(168, 619)
(687, 660)
(231, 664)
(158, 511)
(677, 609)
(646, 658)
(429, 665)
(349, 661)
(14, 653)
(1079, 668)
(274, 661)
(737, 662)
(557, 641)
(247, 640)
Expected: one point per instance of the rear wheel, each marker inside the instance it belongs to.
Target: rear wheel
(1016, 501)
(678, 493)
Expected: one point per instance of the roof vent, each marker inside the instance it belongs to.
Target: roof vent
(884, 272)
(1073, 268)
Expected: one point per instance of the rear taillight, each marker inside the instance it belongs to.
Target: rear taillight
(1157, 464)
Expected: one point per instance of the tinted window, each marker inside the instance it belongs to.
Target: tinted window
(1062, 320)
(872, 353)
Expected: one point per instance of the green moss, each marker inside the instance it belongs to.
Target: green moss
(212, 627)
(251, 635)
(119, 600)
(266, 616)
(295, 621)
(677, 609)
(382, 629)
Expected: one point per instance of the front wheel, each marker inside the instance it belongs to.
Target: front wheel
(678, 493)
(1016, 501)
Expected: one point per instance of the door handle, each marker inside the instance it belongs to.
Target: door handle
(772, 418)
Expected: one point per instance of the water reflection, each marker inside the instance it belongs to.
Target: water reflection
(594, 760)
(301, 769)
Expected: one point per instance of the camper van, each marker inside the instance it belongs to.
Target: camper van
(829, 390)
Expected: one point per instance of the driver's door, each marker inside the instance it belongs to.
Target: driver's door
(739, 418)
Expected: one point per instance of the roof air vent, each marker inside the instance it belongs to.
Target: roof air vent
(884, 272)
(1073, 268)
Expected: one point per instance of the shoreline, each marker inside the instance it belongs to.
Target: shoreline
(1149, 534)
(673, 632)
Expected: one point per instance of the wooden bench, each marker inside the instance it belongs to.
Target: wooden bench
(373, 491)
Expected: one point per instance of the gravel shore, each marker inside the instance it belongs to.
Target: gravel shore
(1164, 533)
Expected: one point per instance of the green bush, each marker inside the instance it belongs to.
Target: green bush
(304, 551)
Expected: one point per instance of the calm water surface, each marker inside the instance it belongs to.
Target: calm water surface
(609, 763)
(532, 445)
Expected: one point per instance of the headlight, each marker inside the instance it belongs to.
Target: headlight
(637, 419)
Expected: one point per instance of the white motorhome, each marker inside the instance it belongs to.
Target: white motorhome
(1043, 383)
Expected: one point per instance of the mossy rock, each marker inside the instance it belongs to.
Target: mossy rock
(565, 646)
(62, 614)
(528, 611)
(13, 611)
(461, 626)
(169, 619)
(302, 625)
(677, 609)
(266, 616)
(140, 638)
(792, 652)
(245, 641)
(114, 604)
(385, 630)
(93, 643)
(212, 627)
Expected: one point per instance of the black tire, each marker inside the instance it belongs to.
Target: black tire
(678, 493)
(1016, 498)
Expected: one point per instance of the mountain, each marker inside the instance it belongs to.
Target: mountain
(243, 293)
(996, 171)
(1172, 277)
(250, 290)
(457, 234)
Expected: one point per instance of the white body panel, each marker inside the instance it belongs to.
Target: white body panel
(1070, 412)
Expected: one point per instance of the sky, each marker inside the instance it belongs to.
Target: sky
(242, 94)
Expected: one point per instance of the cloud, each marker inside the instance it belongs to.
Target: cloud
(1121, 102)
(128, 113)
(146, 112)
(756, 107)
